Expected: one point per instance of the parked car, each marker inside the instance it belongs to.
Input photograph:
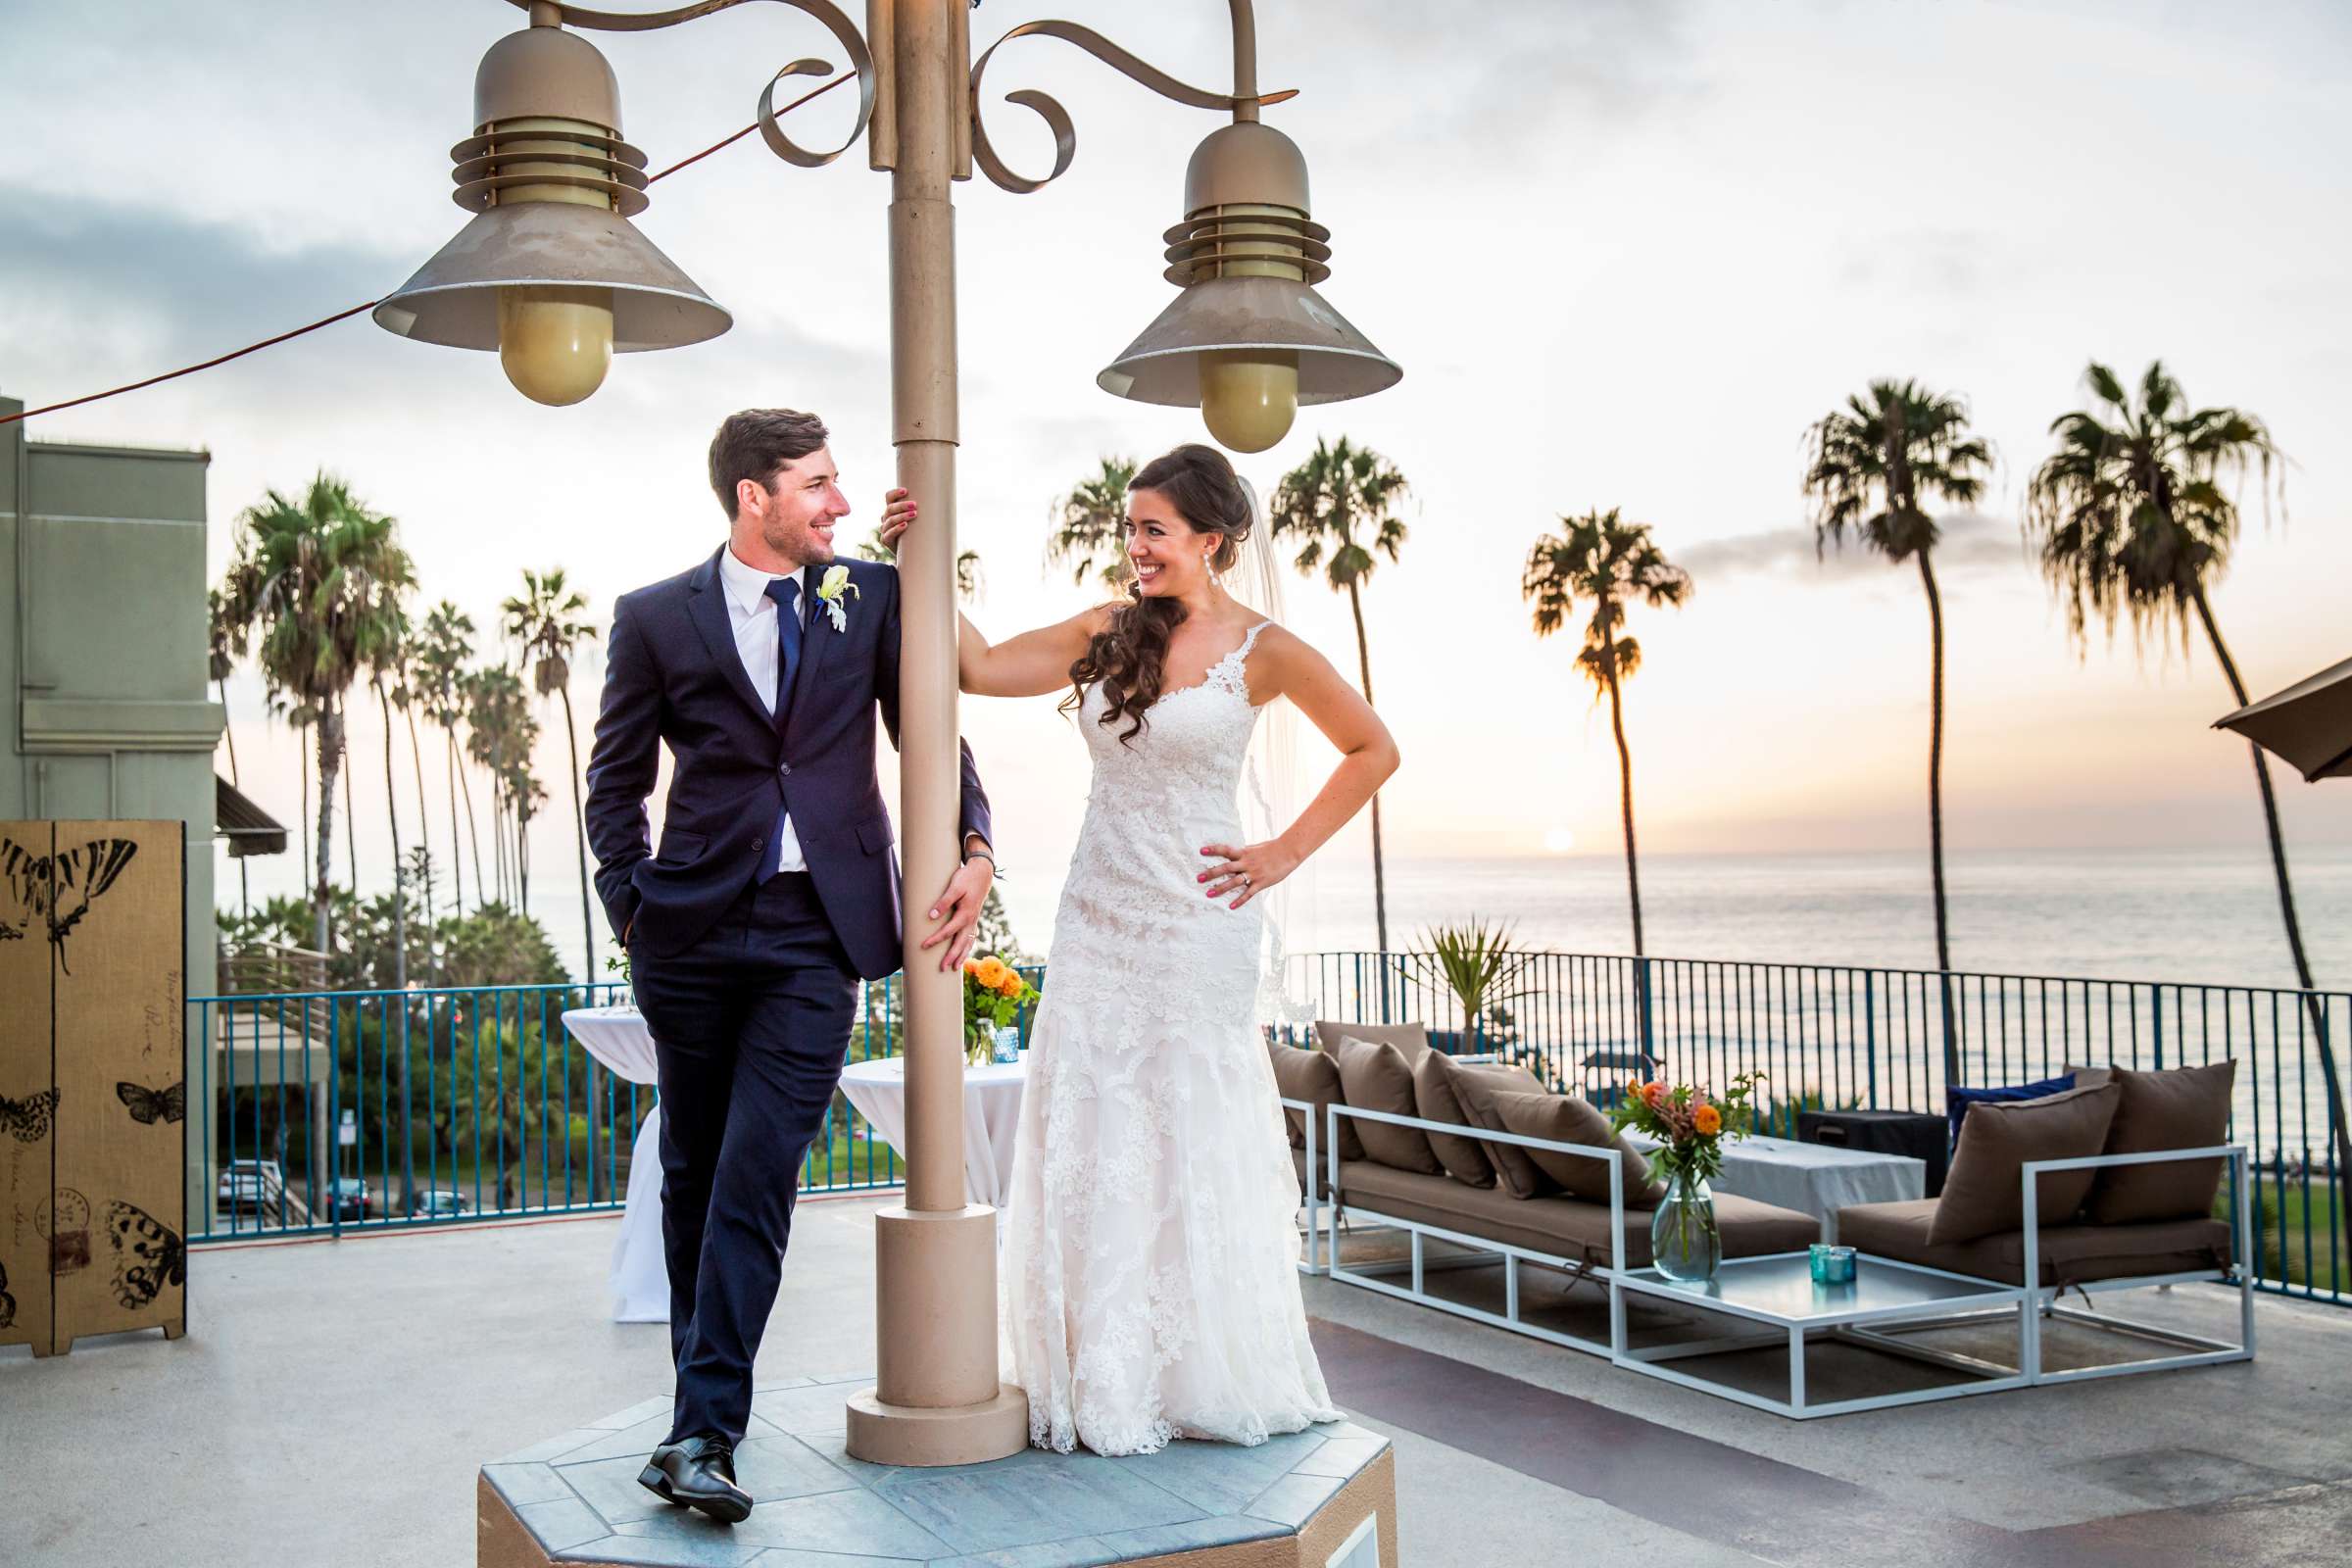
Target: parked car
(437, 1202)
(348, 1198)
(250, 1187)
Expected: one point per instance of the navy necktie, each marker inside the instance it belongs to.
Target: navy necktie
(785, 591)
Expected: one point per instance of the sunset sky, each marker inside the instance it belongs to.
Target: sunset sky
(1626, 253)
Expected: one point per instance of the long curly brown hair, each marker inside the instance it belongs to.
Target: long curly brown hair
(1129, 657)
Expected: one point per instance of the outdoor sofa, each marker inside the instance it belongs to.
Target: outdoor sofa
(2108, 1185)
(1382, 1144)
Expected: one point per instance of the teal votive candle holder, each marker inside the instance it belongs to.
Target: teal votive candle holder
(1832, 1264)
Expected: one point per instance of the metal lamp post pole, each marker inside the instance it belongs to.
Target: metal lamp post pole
(936, 1400)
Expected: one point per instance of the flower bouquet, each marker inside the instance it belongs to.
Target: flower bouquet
(994, 995)
(1690, 1125)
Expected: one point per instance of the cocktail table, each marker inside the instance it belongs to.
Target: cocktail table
(1779, 1291)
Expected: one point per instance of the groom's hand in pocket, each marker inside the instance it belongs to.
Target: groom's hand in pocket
(957, 911)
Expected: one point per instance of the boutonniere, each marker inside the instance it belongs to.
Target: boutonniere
(829, 591)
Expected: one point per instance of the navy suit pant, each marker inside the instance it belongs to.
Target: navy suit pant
(751, 1026)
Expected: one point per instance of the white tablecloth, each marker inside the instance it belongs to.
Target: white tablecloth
(991, 1114)
(639, 1279)
(1812, 1178)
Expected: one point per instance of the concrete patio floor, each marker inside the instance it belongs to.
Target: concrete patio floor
(332, 1404)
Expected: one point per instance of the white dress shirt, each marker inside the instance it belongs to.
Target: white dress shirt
(752, 614)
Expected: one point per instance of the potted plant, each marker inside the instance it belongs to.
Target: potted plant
(994, 995)
(1475, 960)
(1690, 1125)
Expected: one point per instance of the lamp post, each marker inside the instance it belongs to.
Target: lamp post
(551, 275)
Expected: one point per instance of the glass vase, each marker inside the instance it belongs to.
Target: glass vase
(1684, 1243)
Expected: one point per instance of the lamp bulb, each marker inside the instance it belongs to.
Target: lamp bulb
(1248, 397)
(556, 343)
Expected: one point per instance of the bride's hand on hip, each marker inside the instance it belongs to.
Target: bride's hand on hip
(1246, 870)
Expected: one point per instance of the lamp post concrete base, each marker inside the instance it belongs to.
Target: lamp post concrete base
(1325, 1497)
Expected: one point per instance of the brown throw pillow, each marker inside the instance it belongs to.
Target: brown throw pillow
(2182, 1107)
(1434, 1093)
(1375, 1077)
(1477, 1085)
(1311, 1076)
(1411, 1038)
(1566, 1119)
(1984, 1195)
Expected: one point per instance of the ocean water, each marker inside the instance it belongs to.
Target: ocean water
(2128, 914)
(2198, 915)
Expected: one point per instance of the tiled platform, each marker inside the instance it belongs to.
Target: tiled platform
(1292, 1499)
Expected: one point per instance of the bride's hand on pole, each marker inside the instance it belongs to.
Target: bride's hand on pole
(1246, 870)
(897, 516)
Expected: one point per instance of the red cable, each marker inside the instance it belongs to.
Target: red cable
(339, 315)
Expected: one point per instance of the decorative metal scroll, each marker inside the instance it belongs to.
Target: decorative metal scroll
(824, 10)
(1057, 119)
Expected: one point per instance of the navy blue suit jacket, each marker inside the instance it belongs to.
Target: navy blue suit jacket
(673, 675)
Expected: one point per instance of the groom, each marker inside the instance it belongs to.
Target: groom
(775, 888)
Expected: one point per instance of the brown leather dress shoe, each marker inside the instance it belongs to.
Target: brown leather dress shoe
(697, 1473)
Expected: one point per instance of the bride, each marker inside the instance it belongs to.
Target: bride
(1149, 1256)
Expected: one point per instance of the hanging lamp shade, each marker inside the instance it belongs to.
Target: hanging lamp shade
(1249, 339)
(551, 273)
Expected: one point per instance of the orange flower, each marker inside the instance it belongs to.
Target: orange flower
(971, 967)
(1708, 1121)
(1011, 984)
(992, 973)
(1655, 1093)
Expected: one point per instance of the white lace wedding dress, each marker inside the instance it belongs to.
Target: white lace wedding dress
(1150, 1256)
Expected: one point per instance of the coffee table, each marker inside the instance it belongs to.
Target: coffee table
(1779, 1293)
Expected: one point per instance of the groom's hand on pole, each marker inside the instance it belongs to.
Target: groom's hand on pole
(957, 911)
(897, 516)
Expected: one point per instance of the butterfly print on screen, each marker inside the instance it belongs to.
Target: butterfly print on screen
(28, 1118)
(147, 1255)
(151, 1106)
(8, 1302)
(55, 891)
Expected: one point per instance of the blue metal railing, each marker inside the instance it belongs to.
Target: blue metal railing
(505, 1115)
(326, 1111)
(1845, 1037)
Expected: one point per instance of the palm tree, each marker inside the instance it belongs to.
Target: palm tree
(383, 674)
(441, 657)
(2132, 520)
(501, 736)
(1601, 559)
(1090, 528)
(1326, 502)
(408, 696)
(316, 581)
(227, 646)
(1872, 467)
(541, 619)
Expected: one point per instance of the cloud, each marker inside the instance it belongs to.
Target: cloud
(1972, 541)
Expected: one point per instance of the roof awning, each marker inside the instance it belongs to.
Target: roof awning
(244, 826)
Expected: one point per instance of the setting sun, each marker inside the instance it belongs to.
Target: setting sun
(1558, 841)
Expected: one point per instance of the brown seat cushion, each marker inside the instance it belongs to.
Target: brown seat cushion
(1412, 1039)
(1434, 1095)
(1375, 1077)
(1984, 1194)
(1566, 1119)
(1313, 1077)
(2071, 1254)
(1558, 1226)
(2182, 1107)
(1477, 1085)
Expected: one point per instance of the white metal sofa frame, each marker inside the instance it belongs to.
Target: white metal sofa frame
(2042, 1300)
(1337, 1209)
